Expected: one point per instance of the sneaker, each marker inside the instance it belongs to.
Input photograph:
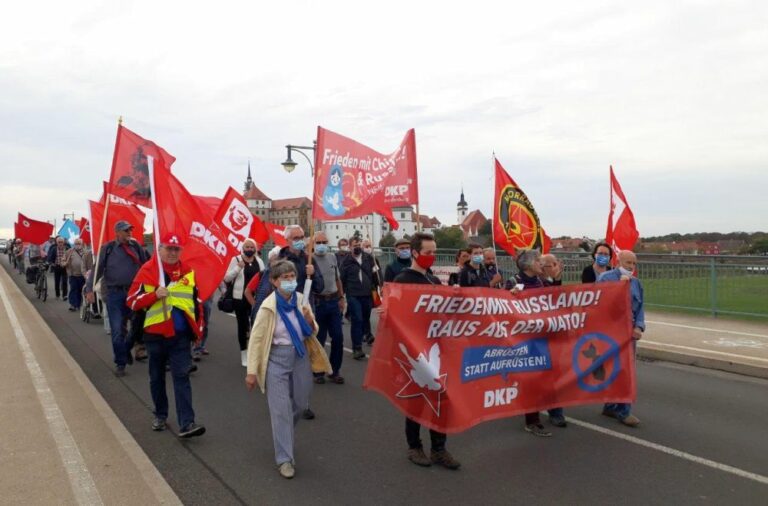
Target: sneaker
(287, 470)
(320, 380)
(537, 429)
(358, 355)
(120, 371)
(244, 358)
(71, 308)
(97, 316)
(444, 459)
(158, 424)
(192, 430)
(140, 353)
(196, 356)
(630, 421)
(338, 379)
(418, 457)
(308, 414)
(192, 368)
(205, 352)
(558, 421)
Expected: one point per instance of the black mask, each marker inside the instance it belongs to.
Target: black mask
(357, 251)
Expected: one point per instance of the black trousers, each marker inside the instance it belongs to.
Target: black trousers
(60, 280)
(412, 430)
(243, 314)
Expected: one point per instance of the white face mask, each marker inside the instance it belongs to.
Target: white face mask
(368, 250)
(625, 272)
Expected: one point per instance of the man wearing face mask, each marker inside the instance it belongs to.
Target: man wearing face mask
(358, 280)
(489, 259)
(474, 272)
(423, 249)
(624, 273)
(602, 255)
(401, 262)
(77, 262)
(342, 250)
(329, 307)
(241, 270)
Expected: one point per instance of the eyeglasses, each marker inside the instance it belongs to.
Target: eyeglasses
(321, 242)
(298, 238)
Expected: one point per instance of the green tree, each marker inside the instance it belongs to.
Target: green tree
(759, 247)
(450, 238)
(485, 228)
(388, 241)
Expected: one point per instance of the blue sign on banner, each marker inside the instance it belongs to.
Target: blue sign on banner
(484, 361)
(69, 231)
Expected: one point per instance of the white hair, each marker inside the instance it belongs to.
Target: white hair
(287, 231)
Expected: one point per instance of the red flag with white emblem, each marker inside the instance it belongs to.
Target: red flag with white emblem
(32, 231)
(238, 222)
(85, 230)
(622, 232)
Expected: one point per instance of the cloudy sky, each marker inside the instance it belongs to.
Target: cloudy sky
(673, 94)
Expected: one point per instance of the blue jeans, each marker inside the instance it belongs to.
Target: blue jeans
(360, 312)
(622, 409)
(173, 351)
(119, 314)
(76, 284)
(328, 316)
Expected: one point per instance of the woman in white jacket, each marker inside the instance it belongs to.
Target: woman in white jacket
(241, 269)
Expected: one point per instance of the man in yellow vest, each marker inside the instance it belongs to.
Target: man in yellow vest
(173, 321)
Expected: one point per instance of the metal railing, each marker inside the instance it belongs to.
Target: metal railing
(718, 285)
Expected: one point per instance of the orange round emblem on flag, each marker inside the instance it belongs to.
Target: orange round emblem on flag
(518, 219)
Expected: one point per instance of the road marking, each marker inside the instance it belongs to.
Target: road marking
(702, 350)
(671, 451)
(80, 479)
(707, 329)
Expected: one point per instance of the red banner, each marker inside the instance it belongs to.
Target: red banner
(515, 222)
(115, 213)
(238, 222)
(129, 177)
(353, 180)
(206, 249)
(32, 231)
(451, 358)
(276, 234)
(85, 230)
(622, 232)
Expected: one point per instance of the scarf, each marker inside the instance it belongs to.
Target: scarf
(130, 253)
(283, 308)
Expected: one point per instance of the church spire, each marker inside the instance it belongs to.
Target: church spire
(249, 179)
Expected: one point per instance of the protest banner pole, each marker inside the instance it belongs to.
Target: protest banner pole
(493, 200)
(106, 200)
(156, 227)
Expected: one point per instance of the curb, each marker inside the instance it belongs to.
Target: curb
(657, 353)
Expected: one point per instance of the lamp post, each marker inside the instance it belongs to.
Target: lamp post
(289, 164)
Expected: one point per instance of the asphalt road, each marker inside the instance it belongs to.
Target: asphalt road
(354, 451)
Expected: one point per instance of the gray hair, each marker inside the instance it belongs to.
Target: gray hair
(526, 258)
(288, 229)
(281, 267)
(491, 250)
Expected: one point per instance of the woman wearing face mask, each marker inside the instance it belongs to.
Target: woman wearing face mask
(283, 351)
(602, 255)
(474, 272)
(241, 269)
(462, 257)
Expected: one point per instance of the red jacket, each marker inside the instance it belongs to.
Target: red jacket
(139, 298)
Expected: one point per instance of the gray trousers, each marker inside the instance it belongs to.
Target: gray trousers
(289, 383)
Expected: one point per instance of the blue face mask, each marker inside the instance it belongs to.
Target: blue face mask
(404, 254)
(321, 249)
(477, 259)
(602, 260)
(299, 245)
(288, 286)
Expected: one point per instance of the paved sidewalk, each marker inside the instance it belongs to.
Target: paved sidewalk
(61, 444)
(729, 345)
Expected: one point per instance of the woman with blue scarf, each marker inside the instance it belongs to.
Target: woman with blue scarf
(283, 351)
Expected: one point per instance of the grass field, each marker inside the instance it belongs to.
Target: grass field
(738, 294)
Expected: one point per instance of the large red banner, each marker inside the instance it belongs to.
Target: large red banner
(115, 213)
(32, 231)
(353, 180)
(621, 232)
(451, 358)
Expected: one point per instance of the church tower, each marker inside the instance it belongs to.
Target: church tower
(461, 208)
(249, 180)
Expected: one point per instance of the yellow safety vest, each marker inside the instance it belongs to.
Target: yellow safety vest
(180, 295)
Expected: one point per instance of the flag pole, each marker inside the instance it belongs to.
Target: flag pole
(106, 199)
(493, 200)
(156, 227)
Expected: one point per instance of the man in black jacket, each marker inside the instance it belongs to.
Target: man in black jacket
(474, 272)
(357, 279)
(401, 262)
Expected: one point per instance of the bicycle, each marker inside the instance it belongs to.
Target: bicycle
(41, 281)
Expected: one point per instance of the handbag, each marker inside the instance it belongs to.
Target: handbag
(226, 302)
(376, 297)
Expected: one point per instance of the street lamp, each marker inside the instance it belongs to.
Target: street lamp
(289, 164)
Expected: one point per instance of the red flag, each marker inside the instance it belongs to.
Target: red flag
(129, 178)
(206, 249)
(238, 222)
(211, 204)
(116, 212)
(515, 222)
(353, 180)
(32, 231)
(85, 230)
(276, 234)
(622, 232)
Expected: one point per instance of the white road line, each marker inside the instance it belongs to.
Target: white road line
(671, 451)
(702, 350)
(80, 479)
(707, 329)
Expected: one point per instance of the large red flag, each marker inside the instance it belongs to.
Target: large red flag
(353, 180)
(622, 232)
(276, 234)
(206, 249)
(116, 212)
(238, 222)
(32, 231)
(211, 204)
(85, 230)
(515, 222)
(129, 178)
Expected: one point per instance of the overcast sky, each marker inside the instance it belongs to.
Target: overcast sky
(673, 94)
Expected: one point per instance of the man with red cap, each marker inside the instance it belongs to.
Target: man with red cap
(173, 321)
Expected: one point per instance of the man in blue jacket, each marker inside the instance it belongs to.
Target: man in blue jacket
(627, 265)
